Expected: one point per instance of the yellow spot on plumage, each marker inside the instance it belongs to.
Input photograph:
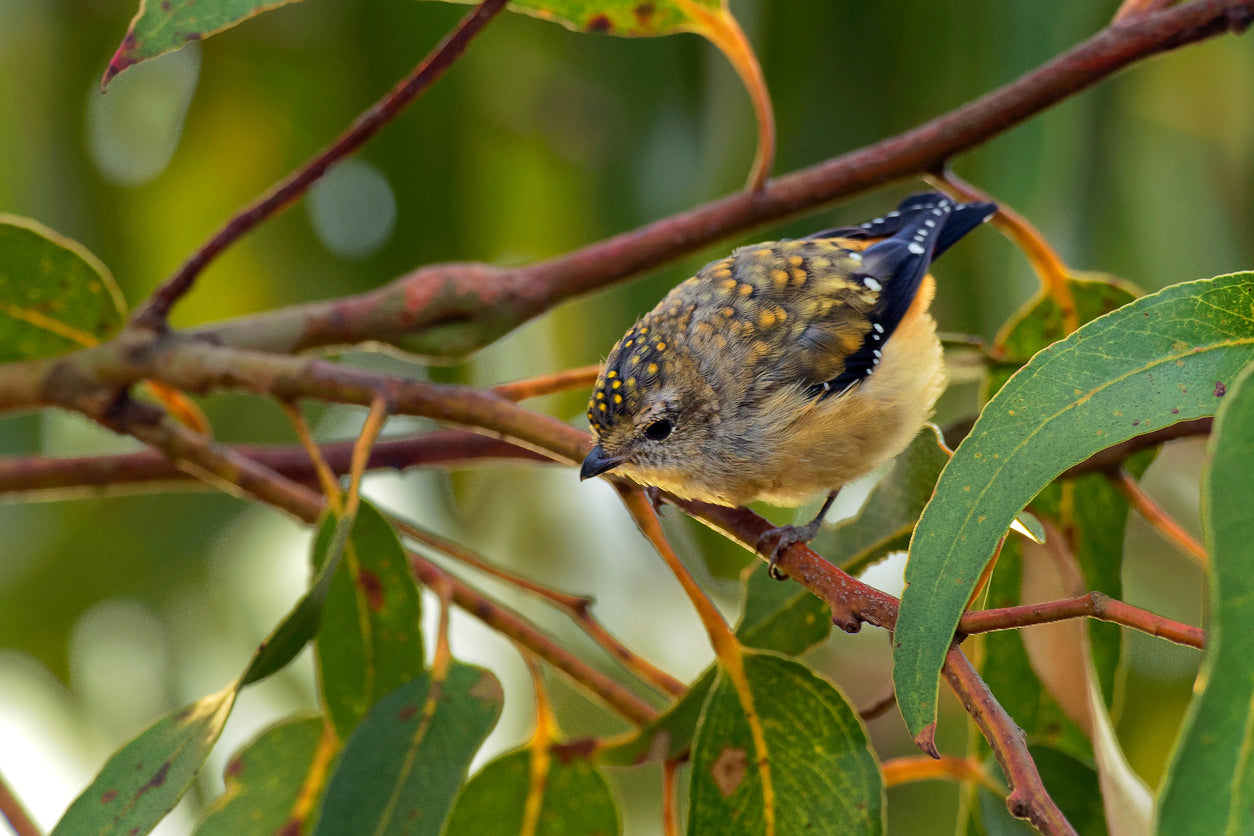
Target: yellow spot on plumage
(766, 319)
(820, 263)
(796, 261)
(798, 277)
(601, 407)
(765, 252)
(618, 399)
(627, 345)
(652, 368)
(611, 374)
(644, 329)
(600, 396)
(661, 346)
(780, 277)
(722, 272)
(728, 284)
(616, 384)
(745, 289)
(728, 311)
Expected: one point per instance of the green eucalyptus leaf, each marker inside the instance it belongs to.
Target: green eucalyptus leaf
(1162, 359)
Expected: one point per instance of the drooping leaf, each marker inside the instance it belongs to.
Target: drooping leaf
(816, 775)
(161, 26)
(302, 623)
(146, 777)
(1159, 360)
(264, 782)
(779, 616)
(370, 642)
(564, 795)
(1210, 783)
(1091, 512)
(407, 759)
(161, 762)
(55, 296)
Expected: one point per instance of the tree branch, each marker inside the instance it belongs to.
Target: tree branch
(447, 310)
(152, 314)
(1090, 605)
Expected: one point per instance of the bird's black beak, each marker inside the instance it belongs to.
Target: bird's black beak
(597, 462)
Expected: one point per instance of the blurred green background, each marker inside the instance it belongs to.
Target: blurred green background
(115, 609)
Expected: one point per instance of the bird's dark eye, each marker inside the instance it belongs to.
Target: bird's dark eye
(658, 430)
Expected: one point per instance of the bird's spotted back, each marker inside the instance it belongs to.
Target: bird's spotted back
(814, 313)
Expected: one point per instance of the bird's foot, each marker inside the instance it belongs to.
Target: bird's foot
(786, 536)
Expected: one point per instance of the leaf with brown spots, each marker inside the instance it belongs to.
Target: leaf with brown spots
(371, 637)
(272, 782)
(146, 778)
(407, 759)
(1149, 364)
(823, 777)
(55, 296)
(160, 27)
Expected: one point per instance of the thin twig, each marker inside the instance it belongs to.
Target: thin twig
(909, 769)
(46, 477)
(1157, 516)
(577, 607)
(520, 390)
(152, 314)
(1091, 605)
(215, 463)
(879, 707)
(14, 812)
(1046, 263)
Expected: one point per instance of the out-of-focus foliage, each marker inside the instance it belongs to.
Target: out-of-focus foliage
(539, 141)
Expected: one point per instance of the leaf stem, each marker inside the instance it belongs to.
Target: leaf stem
(14, 812)
(577, 607)
(1157, 516)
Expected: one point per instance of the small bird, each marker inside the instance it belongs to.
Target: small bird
(786, 369)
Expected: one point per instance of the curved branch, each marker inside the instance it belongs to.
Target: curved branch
(152, 314)
(447, 310)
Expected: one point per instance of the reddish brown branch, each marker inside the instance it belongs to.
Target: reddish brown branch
(1091, 605)
(13, 812)
(152, 314)
(471, 304)
(24, 475)
(1028, 798)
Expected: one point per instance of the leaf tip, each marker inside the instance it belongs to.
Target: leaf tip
(123, 58)
(926, 740)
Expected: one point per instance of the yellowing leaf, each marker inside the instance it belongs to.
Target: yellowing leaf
(55, 296)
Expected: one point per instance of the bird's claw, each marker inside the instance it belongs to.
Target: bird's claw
(785, 536)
